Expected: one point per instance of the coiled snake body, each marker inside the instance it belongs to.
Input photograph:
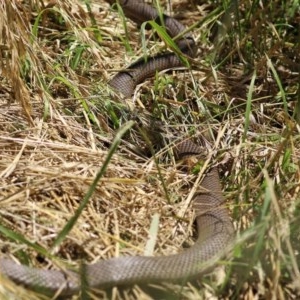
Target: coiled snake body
(215, 230)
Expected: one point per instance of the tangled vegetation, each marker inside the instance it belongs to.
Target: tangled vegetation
(58, 132)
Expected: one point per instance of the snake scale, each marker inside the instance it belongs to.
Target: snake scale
(215, 229)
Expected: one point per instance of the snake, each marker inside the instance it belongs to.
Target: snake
(214, 226)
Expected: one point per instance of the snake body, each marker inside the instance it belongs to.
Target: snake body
(126, 81)
(215, 230)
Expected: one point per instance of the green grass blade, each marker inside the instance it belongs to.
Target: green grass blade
(153, 231)
(248, 106)
(123, 18)
(70, 224)
(17, 237)
(278, 81)
(162, 33)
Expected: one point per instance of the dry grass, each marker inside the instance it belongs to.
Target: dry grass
(58, 119)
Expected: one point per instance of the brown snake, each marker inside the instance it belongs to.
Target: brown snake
(215, 230)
